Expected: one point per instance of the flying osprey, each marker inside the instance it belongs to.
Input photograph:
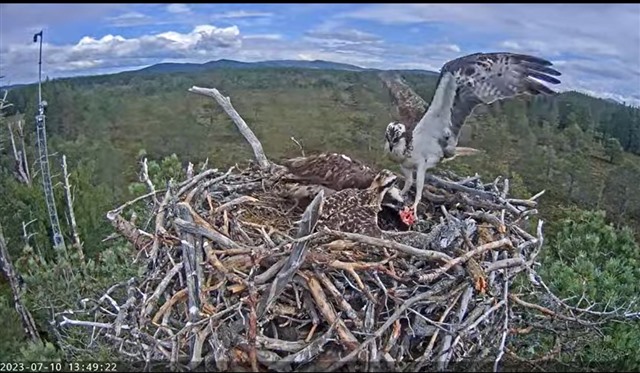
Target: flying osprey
(333, 172)
(356, 210)
(463, 84)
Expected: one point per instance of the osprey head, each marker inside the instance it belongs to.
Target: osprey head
(382, 183)
(393, 199)
(395, 140)
(389, 196)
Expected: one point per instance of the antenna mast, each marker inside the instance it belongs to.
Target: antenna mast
(58, 240)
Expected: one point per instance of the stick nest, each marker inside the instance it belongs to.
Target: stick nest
(232, 281)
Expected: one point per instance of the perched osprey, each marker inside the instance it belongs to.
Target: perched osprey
(356, 210)
(463, 84)
(333, 172)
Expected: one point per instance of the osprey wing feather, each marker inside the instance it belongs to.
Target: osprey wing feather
(483, 78)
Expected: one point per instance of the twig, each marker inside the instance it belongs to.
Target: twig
(505, 326)
(547, 311)
(111, 214)
(307, 353)
(238, 201)
(380, 243)
(159, 223)
(337, 296)
(144, 177)
(190, 183)
(299, 145)
(461, 259)
(153, 299)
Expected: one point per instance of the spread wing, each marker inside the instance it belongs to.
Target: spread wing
(409, 105)
(483, 78)
(335, 171)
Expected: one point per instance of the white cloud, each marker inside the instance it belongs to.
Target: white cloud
(205, 41)
(263, 37)
(242, 14)
(130, 19)
(451, 48)
(347, 35)
(178, 8)
(509, 44)
(344, 39)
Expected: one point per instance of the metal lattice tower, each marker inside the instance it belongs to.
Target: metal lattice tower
(43, 158)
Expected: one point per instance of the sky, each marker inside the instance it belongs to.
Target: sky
(595, 46)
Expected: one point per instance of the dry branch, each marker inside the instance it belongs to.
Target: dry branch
(225, 102)
(21, 168)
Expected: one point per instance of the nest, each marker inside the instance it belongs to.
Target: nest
(234, 281)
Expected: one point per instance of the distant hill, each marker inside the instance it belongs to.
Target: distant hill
(232, 64)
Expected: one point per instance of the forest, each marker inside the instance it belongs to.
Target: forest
(583, 152)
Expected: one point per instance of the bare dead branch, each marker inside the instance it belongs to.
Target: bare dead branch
(225, 103)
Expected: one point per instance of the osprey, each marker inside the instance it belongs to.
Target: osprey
(463, 84)
(356, 210)
(333, 172)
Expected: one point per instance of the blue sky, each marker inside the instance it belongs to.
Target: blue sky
(596, 46)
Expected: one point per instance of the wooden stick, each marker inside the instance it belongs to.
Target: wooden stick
(479, 250)
(329, 314)
(377, 242)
